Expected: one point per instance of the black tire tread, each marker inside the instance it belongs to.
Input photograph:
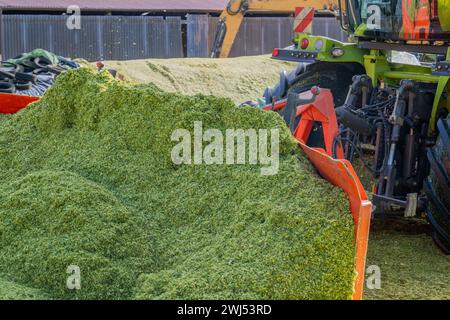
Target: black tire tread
(26, 77)
(335, 77)
(7, 87)
(440, 219)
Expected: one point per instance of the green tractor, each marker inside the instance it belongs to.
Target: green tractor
(391, 92)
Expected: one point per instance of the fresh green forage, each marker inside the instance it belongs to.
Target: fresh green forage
(14, 291)
(87, 180)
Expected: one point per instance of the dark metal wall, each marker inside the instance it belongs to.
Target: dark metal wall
(139, 37)
(100, 37)
(256, 36)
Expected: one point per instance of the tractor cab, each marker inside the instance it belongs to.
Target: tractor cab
(420, 27)
(398, 20)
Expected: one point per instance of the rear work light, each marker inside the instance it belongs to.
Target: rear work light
(337, 52)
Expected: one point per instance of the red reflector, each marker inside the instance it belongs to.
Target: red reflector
(275, 53)
(304, 44)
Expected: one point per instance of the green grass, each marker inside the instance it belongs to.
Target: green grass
(411, 265)
(87, 180)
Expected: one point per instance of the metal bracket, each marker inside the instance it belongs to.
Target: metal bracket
(243, 7)
(411, 205)
(403, 47)
(295, 55)
(393, 119)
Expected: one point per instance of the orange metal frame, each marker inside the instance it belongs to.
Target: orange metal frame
(321, 110)
(339, 172)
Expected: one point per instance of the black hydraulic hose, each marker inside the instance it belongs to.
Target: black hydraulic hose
(358, 151)
(385, 127)
(374, 113)
(218, 40)
(355, 148)
(243, 6)
(338, 139)
(378, 105)
(341, 17)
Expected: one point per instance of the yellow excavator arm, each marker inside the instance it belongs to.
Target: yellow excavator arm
(232, 17)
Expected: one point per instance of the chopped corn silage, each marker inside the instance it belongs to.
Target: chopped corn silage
(14, 291)
(240, 79)
(87, 180)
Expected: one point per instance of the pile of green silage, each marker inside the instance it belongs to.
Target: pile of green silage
(87, 180)
(14, 291)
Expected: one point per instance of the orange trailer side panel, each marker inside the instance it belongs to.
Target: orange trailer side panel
(12, 103)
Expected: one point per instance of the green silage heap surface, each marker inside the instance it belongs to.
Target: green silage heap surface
(87, 180)
(14, 291)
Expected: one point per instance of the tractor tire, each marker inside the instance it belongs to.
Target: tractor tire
(6, 74)
(25, 77)
(23, 86)
(7, 87)
(42, 62)
(437, 187)
(334, 76)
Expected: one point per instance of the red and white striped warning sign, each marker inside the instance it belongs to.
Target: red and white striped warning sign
(303, 20)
